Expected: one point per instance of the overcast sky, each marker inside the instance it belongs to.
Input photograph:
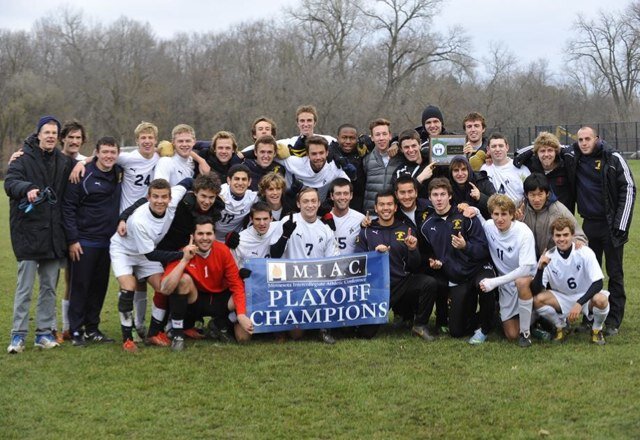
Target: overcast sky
(530, 29)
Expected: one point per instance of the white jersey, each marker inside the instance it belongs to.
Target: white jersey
(308, 240)
(253, 245)
(511, 249)
(573, 275)
(145, 230)
(138, 174)
(174, 169)
(300, 167)
(347, 230)
(234, 211)
(507, 179)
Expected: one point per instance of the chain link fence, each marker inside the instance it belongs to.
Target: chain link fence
(622, 136)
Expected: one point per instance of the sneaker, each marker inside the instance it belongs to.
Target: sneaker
(177, 344)
(129, 346)
(525, 340)
(597, 337)
(159, 340)
(78, 340)
(193, 333)
(477, 338)
(59, 336)
(326, 337)
(561, 336)
(423, 332)
(541, 334)
(46, 341)
(442, 330)
(16, 345)
(611, 331)
(141, 333)
(99, 338)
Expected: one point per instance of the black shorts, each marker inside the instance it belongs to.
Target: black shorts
(215, 305)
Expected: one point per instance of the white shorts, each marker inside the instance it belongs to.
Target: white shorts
(137, 265)
(508, 296)
(567, 301)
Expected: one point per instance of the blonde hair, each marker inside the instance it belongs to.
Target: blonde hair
(223, 135)
(546, 139)
(144, 127)
(182, 128)
(501, 202)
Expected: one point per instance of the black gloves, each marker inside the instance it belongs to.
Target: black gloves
(232, 240)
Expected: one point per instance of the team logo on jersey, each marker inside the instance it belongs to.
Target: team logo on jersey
(320, 240)
(424, 216)
(400, 235)
(578, 267)
(352, 230)
(133, 169)
(555, 272)
(457, 224)
(509, 249)
(598, 164)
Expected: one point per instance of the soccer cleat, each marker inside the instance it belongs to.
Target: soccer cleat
(129, 346)
(326, 337)
(16, 345)
(46, 341)
(442, 330)
(141, 333)
(525, 340)
(98, 337)
(541, 334)
(221, 335)
(561, 336)
(423, 332)
(597, 337)
(78, 340)
(159, 340)
(193, 333)
(477, 338)
(177, 344)
(611, 331)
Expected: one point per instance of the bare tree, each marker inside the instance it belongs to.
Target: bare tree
(409, 45)
(335, 27)
(611, 44)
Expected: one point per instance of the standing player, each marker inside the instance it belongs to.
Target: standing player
(347, 220)
(255, 241)
(506, 178)
(139, 167)
(575, 280)
(179, 166)
(513, 252)
(238, 199)
(134, 255)
(304, 235)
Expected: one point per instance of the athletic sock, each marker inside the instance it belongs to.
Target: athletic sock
(599, 315)
(65, 315)
(140, 304)
(157, 318)
(525, 307)
(125, 310)
(550, 314)
(178, 304)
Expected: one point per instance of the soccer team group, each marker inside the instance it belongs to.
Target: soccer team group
(485, 241)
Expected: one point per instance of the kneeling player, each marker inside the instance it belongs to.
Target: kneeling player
(575, 280)
(513, 252)
(205, 282)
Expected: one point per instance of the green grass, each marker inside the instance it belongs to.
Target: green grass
(394, 386)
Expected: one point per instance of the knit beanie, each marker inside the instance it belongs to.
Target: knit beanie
(431, 111)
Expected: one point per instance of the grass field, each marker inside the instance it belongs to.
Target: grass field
(394, 386)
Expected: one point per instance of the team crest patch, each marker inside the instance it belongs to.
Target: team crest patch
(400, 235)
(277, 271)
(457, 224)
(598, 164)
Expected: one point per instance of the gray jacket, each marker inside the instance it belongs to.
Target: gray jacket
(378, 176)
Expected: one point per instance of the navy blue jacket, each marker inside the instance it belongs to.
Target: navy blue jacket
(402, 261)
(91, 207)
(458, 265)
